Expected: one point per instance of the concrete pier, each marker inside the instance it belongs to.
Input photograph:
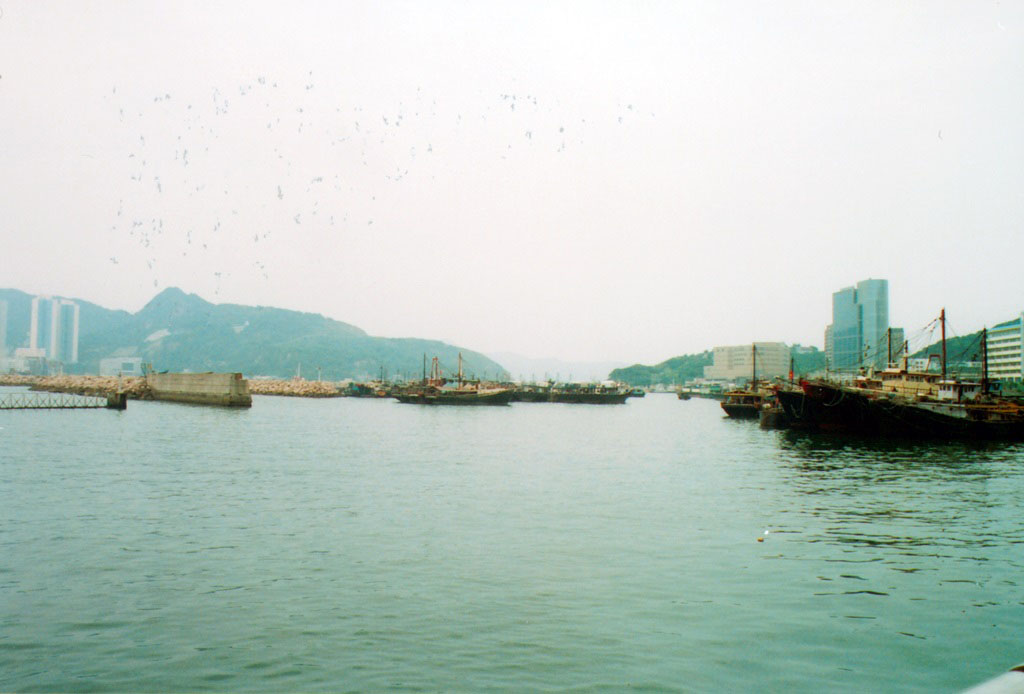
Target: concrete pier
(225, 389)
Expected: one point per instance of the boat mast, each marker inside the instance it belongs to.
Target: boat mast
(942, 319)
(753, 366)
(460, 369)
(984, 361)
(888, 339)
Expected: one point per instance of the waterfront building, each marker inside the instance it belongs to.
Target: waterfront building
(28, 360)
(1005, 345)
(859, 334)
(121, 366)
(732, 363)
(53, 329)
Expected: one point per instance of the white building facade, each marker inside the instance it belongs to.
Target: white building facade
(1005, 345)
(121, 366)
(732, 363)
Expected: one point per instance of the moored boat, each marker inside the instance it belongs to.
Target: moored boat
(907, 404)
(431, 395)
(436, 390)
(532, 393)
(745, 404)
(588, 394)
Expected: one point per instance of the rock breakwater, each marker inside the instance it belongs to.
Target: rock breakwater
(295, 387)
(135, 388)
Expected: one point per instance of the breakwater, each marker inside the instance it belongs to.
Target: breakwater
(295, 387)
(135, 388)
(226, 389)
(139, 389)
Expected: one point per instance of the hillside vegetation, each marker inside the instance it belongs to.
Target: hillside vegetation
(689, 367)
(176, 331)
(674, 370)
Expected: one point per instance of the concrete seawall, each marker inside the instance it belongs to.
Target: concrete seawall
(227, 389)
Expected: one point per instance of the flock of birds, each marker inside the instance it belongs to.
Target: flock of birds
(270, 158)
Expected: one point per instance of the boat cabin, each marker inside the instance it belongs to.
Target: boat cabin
(910, 383)
(958, 391)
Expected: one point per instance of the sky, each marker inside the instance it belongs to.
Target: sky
(624, 181)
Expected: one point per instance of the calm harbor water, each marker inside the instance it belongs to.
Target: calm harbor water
(364, 545)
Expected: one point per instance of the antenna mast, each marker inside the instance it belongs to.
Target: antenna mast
(942, 319)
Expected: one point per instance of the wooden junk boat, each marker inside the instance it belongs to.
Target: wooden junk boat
(436, 390)
(746, 403)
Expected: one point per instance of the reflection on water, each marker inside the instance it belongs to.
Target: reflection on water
(843, 450)
(907, 499)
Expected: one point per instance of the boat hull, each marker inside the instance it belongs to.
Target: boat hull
(833, 408)
(741, 410)
(590, 398)
(501, 397)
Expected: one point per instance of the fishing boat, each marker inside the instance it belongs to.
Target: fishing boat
(902, 403)
(533, 392)
(745, 403)
(772, 416)
(437, 390)
(588, 394)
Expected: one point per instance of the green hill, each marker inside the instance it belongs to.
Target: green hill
(691, 366)
(183, 332)
(674, 370)
(958, 349)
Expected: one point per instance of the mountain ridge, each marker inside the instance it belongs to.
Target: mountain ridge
(178, 331)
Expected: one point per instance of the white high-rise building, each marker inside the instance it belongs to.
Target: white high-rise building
(53, 330)
(1005, 346)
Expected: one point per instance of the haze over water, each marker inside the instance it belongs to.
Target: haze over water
(363, 545)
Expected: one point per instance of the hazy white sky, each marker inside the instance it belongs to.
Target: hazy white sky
(584, 180)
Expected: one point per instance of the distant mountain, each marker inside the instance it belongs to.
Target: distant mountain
(176, 331)
(530, 369)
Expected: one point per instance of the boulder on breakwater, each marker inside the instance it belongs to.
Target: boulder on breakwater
(135, 388)
(295, 387)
